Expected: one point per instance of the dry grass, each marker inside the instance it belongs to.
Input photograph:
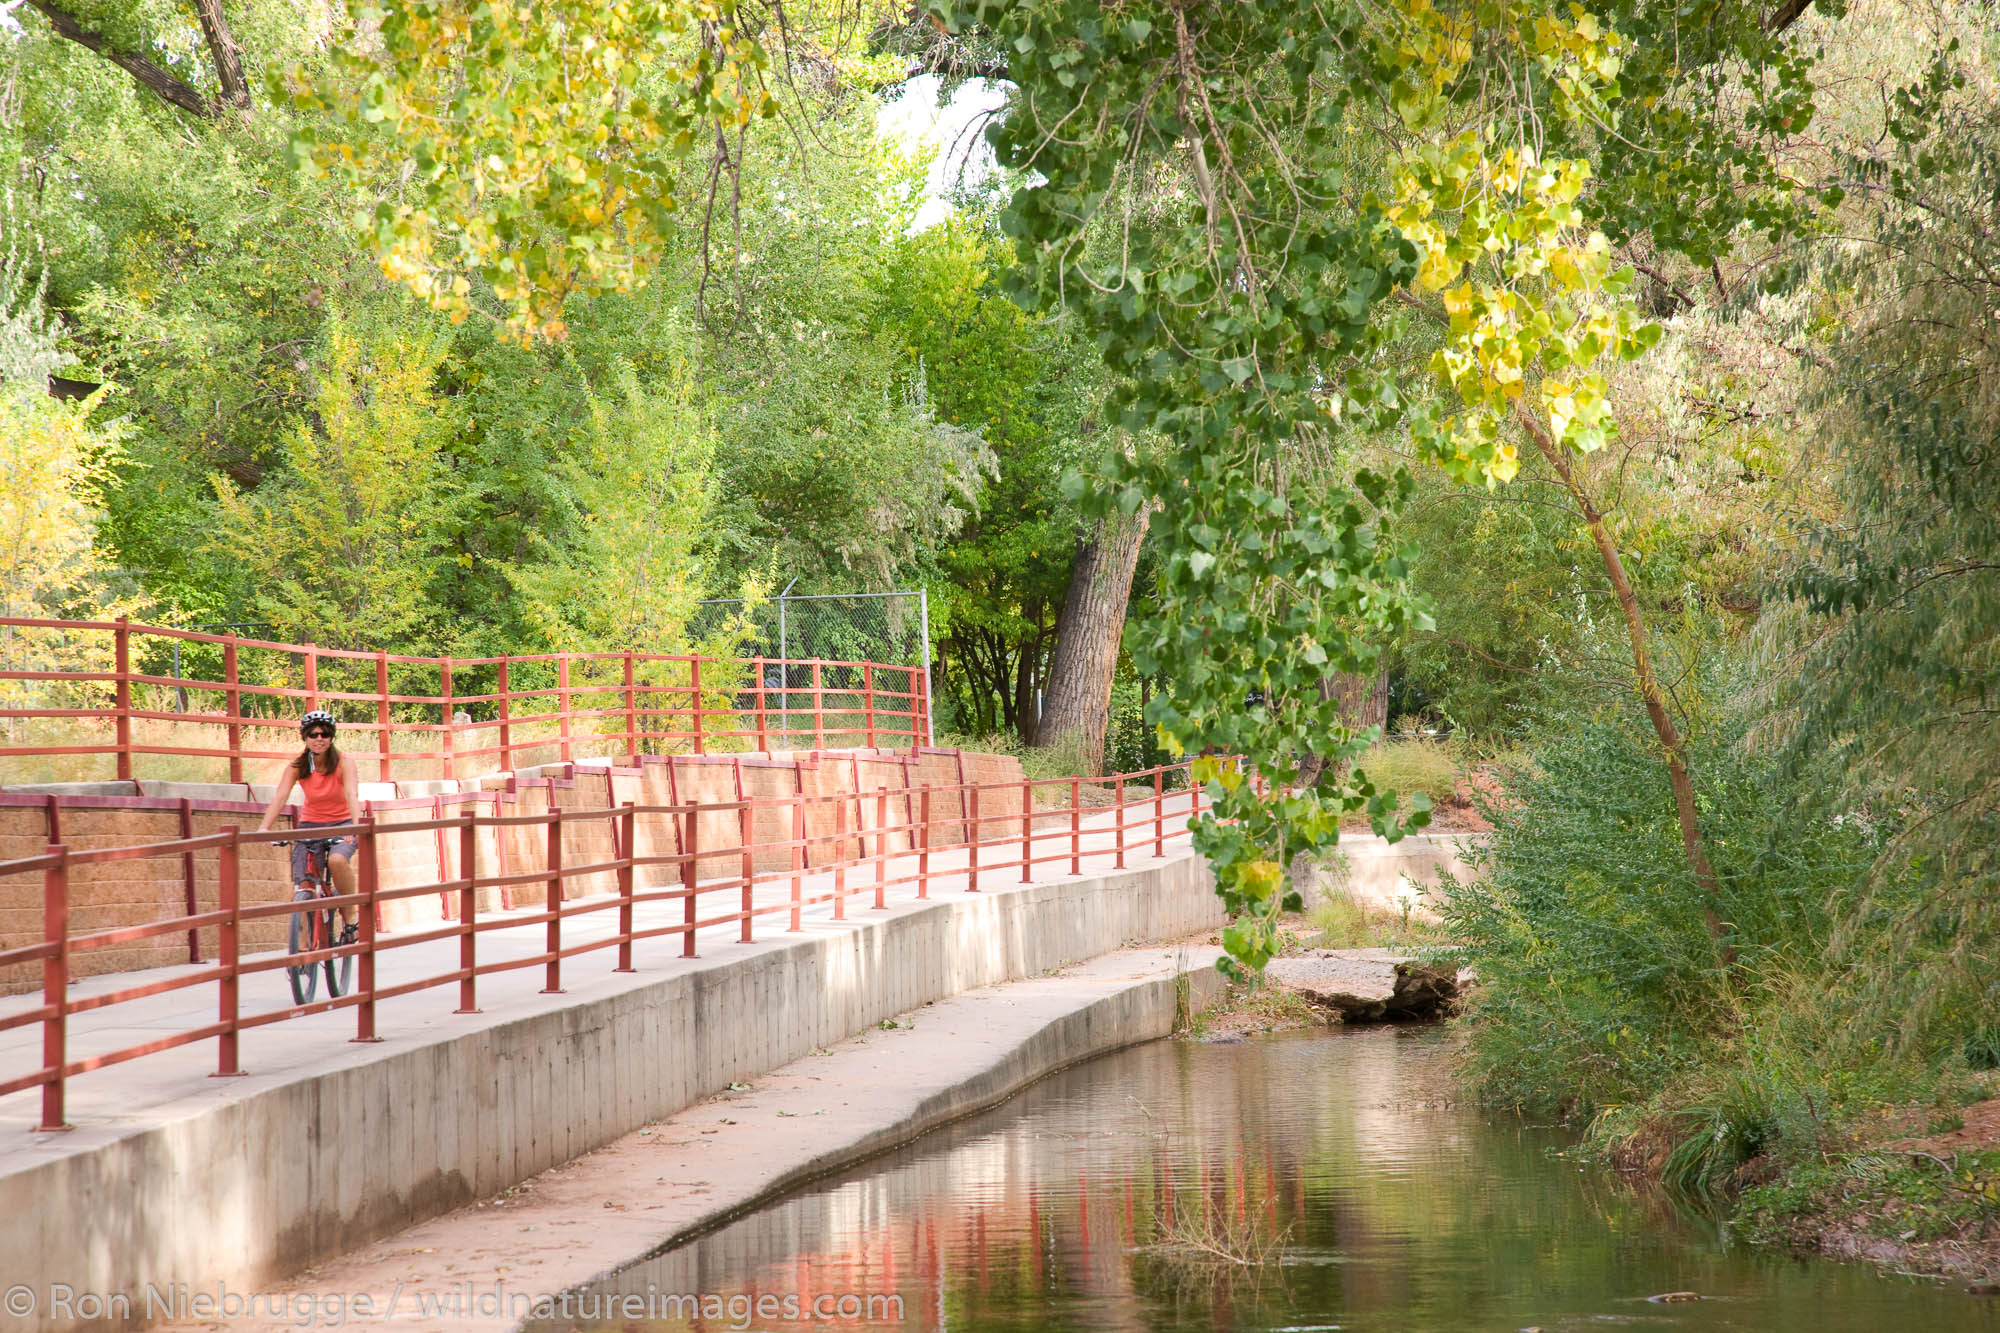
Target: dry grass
(1205, 1235)
(1337, 921)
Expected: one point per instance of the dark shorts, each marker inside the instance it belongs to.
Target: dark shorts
(341, 847)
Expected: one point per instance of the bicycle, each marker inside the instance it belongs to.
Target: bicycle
(316, 929)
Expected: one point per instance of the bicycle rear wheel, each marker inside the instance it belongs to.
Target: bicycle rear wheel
(308, 933)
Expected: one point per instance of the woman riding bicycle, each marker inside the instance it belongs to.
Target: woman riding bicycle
(330, 792)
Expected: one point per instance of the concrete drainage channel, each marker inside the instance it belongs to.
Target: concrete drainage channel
(507, 1262)
(160, 1221)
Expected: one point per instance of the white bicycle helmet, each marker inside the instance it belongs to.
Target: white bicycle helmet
(318, 717)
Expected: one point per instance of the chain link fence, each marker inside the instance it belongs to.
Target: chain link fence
(835, 627)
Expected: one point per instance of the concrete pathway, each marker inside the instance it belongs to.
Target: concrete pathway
(107, 1103)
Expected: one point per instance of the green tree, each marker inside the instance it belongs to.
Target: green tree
(1892, 673)
(349, 547)
(1030, 388)
(629, 559)
(1238, 325)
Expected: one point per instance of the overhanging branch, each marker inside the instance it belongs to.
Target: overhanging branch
(156, 80)
(1785, 15)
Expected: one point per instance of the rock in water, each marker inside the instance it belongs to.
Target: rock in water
(1367, 985)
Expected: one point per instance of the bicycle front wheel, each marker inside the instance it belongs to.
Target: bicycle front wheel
(340, 970)
(308, 933)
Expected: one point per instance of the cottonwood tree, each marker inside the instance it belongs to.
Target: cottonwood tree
(1239, 316)
(1088, 631)
(1239, 325)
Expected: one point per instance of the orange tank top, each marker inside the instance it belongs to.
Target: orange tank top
(325, 799)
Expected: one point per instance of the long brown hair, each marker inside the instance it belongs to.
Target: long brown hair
(302, 767)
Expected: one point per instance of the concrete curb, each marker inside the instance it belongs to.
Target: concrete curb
(1141, 1012)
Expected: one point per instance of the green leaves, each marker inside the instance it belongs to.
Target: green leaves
(1205, 149)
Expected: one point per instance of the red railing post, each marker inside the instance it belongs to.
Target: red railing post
(924, 847)
(228, 897)
(1118, 784)
(385, 767)
(626, 832)
(746, 833)
(312, 673)
(189, 897)
(819, 706)
(690, 876)
(763, 735)
(122, 692)
(366, 917)
(631, 711)
(468, 909)
(233, 704)
(562, 701)
(506, 720)
(1076, 826)
(881, 847)
(694, 690)
(972, 839)
(798, 854)
(1159, 812)
(1027, 831)
(553, 902)
(55, 985)
(840, 855)
(868, 702)
(920, 723)
(450, 719)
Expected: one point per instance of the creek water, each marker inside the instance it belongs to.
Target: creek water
(1377, 1199)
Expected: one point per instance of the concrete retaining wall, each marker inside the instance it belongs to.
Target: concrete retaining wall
(1385, 876)
(246, 1188)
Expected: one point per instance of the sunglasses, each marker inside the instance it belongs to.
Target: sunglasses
(319, 735)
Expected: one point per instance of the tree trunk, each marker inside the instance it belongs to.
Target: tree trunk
(1026, 683)
(1087, 633)
(1364, 700)
(1364, 703)
(226, 54)
(1671, 741)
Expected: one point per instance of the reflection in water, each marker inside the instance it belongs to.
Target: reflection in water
(1092, 1200)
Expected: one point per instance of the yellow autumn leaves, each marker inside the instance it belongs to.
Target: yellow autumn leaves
(534, 150)
(1528, 289)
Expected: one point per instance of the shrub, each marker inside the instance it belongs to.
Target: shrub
(1600, 983)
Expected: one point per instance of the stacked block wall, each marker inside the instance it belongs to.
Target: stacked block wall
(999, 811)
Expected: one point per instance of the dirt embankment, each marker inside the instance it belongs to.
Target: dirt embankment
(1925, 1203)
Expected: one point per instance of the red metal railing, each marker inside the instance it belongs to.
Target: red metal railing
(484, 714)
(717, 887)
